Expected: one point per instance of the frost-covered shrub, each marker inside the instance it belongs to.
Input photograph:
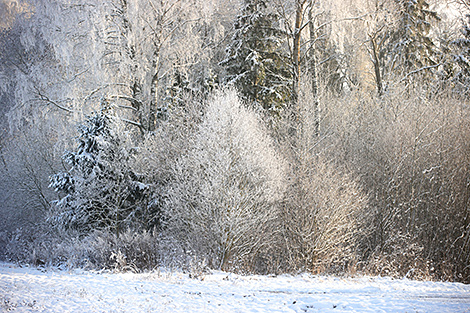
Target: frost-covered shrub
(127, 251)
(323, 215)
(39, 246)
(28, 158)
(410, 153)
(159, 150)
(402, 256)
(223, 198)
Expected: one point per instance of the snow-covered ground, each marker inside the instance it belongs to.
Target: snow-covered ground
(40, 290)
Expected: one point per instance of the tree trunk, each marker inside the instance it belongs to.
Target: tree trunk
(375, 61)
(153, 101)
(313, 72)
(295, 106)
(296, 51)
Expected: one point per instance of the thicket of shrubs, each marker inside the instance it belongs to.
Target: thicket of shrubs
(383, 189)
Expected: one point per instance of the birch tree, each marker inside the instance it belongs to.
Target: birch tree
(111, 51)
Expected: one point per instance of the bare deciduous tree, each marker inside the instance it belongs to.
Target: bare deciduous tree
(223, 198)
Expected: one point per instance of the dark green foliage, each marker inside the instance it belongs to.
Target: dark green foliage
(461, 58)
(409, 45)
(100, 189)
(255, 62)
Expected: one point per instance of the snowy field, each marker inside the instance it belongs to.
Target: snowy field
(33, 290)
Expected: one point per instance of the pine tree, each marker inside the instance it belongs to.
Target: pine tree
(255, 62)
(100, 191)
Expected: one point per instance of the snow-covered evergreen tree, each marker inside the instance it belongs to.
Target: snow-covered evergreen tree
(462, 60)
(410, 47)
(255, 62)
(100, 191)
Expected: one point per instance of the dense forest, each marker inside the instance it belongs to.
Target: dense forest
(253, 136)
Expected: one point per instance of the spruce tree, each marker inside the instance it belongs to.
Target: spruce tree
(99, 191)
(410, 47)
(461, 58)
(255, 62)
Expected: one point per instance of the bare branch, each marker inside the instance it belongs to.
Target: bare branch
(43, 97)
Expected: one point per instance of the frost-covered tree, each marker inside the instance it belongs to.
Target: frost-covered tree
(255, 62)
(100, 190)
(28, 73)
(222, 200)
(400, 41)
(143, 40)
(26, 161)
(124, 51)
(149, 46)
